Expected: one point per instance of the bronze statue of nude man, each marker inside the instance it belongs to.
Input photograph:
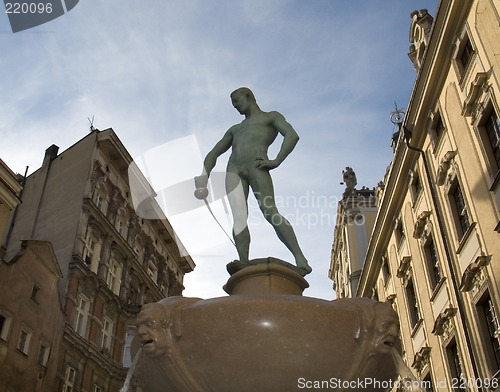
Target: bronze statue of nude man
(249, 167)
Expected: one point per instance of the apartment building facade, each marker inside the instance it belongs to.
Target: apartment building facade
(111, 260)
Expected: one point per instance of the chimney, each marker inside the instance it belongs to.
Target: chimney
(50, 154)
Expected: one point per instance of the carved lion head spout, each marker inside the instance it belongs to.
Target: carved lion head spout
(386, 329)
(377, 324)
(151, 330)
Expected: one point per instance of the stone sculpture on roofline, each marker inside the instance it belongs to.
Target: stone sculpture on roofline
(265, 336)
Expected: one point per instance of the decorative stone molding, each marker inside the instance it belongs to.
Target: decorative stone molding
(115, 201)
(470, 277)
(89, 286)
(420, 224)
(420, 30)
(474, 103)
(112, 309)
(441, 325)
(97, 174)
(404, 268)
(421, 359)
(427, 233)
(444, 166)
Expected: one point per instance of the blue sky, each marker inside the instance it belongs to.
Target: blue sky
(160, 70)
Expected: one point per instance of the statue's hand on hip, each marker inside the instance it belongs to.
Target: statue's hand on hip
(266, 164)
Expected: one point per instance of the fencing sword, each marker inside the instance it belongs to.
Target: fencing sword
(201, 193)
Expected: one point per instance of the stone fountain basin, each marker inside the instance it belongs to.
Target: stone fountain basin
(265, 343)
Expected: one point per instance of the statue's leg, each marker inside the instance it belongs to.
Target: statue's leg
(237, 194)
(263, 189)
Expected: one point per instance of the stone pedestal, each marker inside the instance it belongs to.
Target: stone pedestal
(268, 276)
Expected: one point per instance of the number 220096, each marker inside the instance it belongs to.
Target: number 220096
(28, 8)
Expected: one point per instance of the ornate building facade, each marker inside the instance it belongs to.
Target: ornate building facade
(435, 247)
(111, 260)
(356, 214)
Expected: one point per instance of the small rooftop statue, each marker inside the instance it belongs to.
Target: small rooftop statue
(249, 167)
(350, 179)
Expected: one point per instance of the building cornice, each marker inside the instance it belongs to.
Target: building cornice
(428, 85)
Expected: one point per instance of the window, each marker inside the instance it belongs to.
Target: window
(69, 379)
(491, 329)
(386, 271)
(82, 315)
(23, 344)
(492, 129)
(399, 232)
(121, 223)
(43, 353)
(413, 308)
(98, 200)
(455, 365)
(437, 127)
(138, 250)
(5, 323)
(152, 270)
(106, 333)
(91, 252)
(99, 197)
(35, 291)
(432, 260)
(459, 209)
(416, 187)
(464, 54)
(427, 383)
(127, 354)
(113, 276)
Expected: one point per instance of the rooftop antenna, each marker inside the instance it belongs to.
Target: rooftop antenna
(397, 118)
(92, 128)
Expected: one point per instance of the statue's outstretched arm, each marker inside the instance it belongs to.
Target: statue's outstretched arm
(211, 159)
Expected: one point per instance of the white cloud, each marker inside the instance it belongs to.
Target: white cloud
(159, 70)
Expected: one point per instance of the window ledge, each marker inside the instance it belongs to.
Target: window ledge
(416, 327)
(495, 182)
(436, 289)
(22, 353)
(465, 237)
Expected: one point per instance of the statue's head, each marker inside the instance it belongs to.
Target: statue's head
(151, 329)
(245, 91)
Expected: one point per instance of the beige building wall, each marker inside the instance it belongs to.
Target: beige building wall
(435, 248)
